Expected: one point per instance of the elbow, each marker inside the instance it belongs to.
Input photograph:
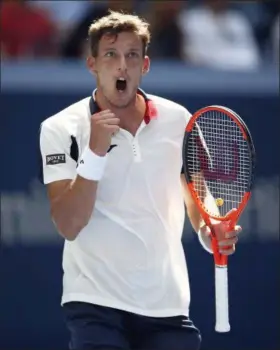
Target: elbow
(70, 232)
(69, 229)
(68, 235)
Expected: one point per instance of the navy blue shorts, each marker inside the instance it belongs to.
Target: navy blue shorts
(98, 327)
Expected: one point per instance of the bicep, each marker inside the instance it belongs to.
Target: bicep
(56, 189)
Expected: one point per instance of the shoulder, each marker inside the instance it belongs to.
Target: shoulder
(169, 109)
(71, 117)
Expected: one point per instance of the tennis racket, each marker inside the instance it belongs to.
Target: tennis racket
(219, 160)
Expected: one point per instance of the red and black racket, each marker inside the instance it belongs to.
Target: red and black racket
(219, 162)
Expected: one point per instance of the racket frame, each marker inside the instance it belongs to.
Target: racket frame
(221, 261)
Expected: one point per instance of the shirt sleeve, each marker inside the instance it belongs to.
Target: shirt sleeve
(55, 147)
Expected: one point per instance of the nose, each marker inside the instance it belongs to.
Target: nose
(122, 64)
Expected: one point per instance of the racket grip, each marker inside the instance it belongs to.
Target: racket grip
(221, 296)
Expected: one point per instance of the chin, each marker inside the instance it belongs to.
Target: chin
(122, 100)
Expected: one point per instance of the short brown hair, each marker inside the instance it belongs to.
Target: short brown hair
(115, 23)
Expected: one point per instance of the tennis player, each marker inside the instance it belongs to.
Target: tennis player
(112, 165)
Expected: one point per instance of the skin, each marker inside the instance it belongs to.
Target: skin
(120, 56)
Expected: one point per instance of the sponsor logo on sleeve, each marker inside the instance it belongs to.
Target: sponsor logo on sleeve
(53, 159)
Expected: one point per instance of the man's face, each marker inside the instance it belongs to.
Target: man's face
(118, 67)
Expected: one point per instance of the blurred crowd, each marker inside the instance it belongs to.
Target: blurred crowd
(219, 34)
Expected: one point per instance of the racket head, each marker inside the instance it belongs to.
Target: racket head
(218, 152)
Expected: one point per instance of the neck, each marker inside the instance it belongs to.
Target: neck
(133, 111)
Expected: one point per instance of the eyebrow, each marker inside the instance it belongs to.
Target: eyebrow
(109, 48)
(114, 49)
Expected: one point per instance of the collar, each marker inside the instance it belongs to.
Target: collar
(150, 113)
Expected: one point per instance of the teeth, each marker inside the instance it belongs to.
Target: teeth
(122, 79)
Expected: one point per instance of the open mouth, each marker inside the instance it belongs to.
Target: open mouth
(121, 84)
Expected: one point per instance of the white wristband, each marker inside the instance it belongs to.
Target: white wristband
(91, 166)
(205, 241)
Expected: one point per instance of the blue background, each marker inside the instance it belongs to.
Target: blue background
(30, 269)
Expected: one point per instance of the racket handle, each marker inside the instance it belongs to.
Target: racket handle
(221, 294)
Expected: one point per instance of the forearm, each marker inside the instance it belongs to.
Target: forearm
(193, 213)
(196, 220)
(72, 210)
(192, 207)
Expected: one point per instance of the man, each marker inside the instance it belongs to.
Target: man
(112, 166)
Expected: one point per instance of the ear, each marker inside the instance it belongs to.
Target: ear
(91, 65)
(146, 65)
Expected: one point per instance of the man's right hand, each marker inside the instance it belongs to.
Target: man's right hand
(103, 125)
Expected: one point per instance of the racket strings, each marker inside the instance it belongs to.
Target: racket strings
(218, 150)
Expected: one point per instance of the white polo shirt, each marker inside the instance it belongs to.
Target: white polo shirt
(130, 255)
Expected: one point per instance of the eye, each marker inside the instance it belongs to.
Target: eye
(133, 54)
(110, 54)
